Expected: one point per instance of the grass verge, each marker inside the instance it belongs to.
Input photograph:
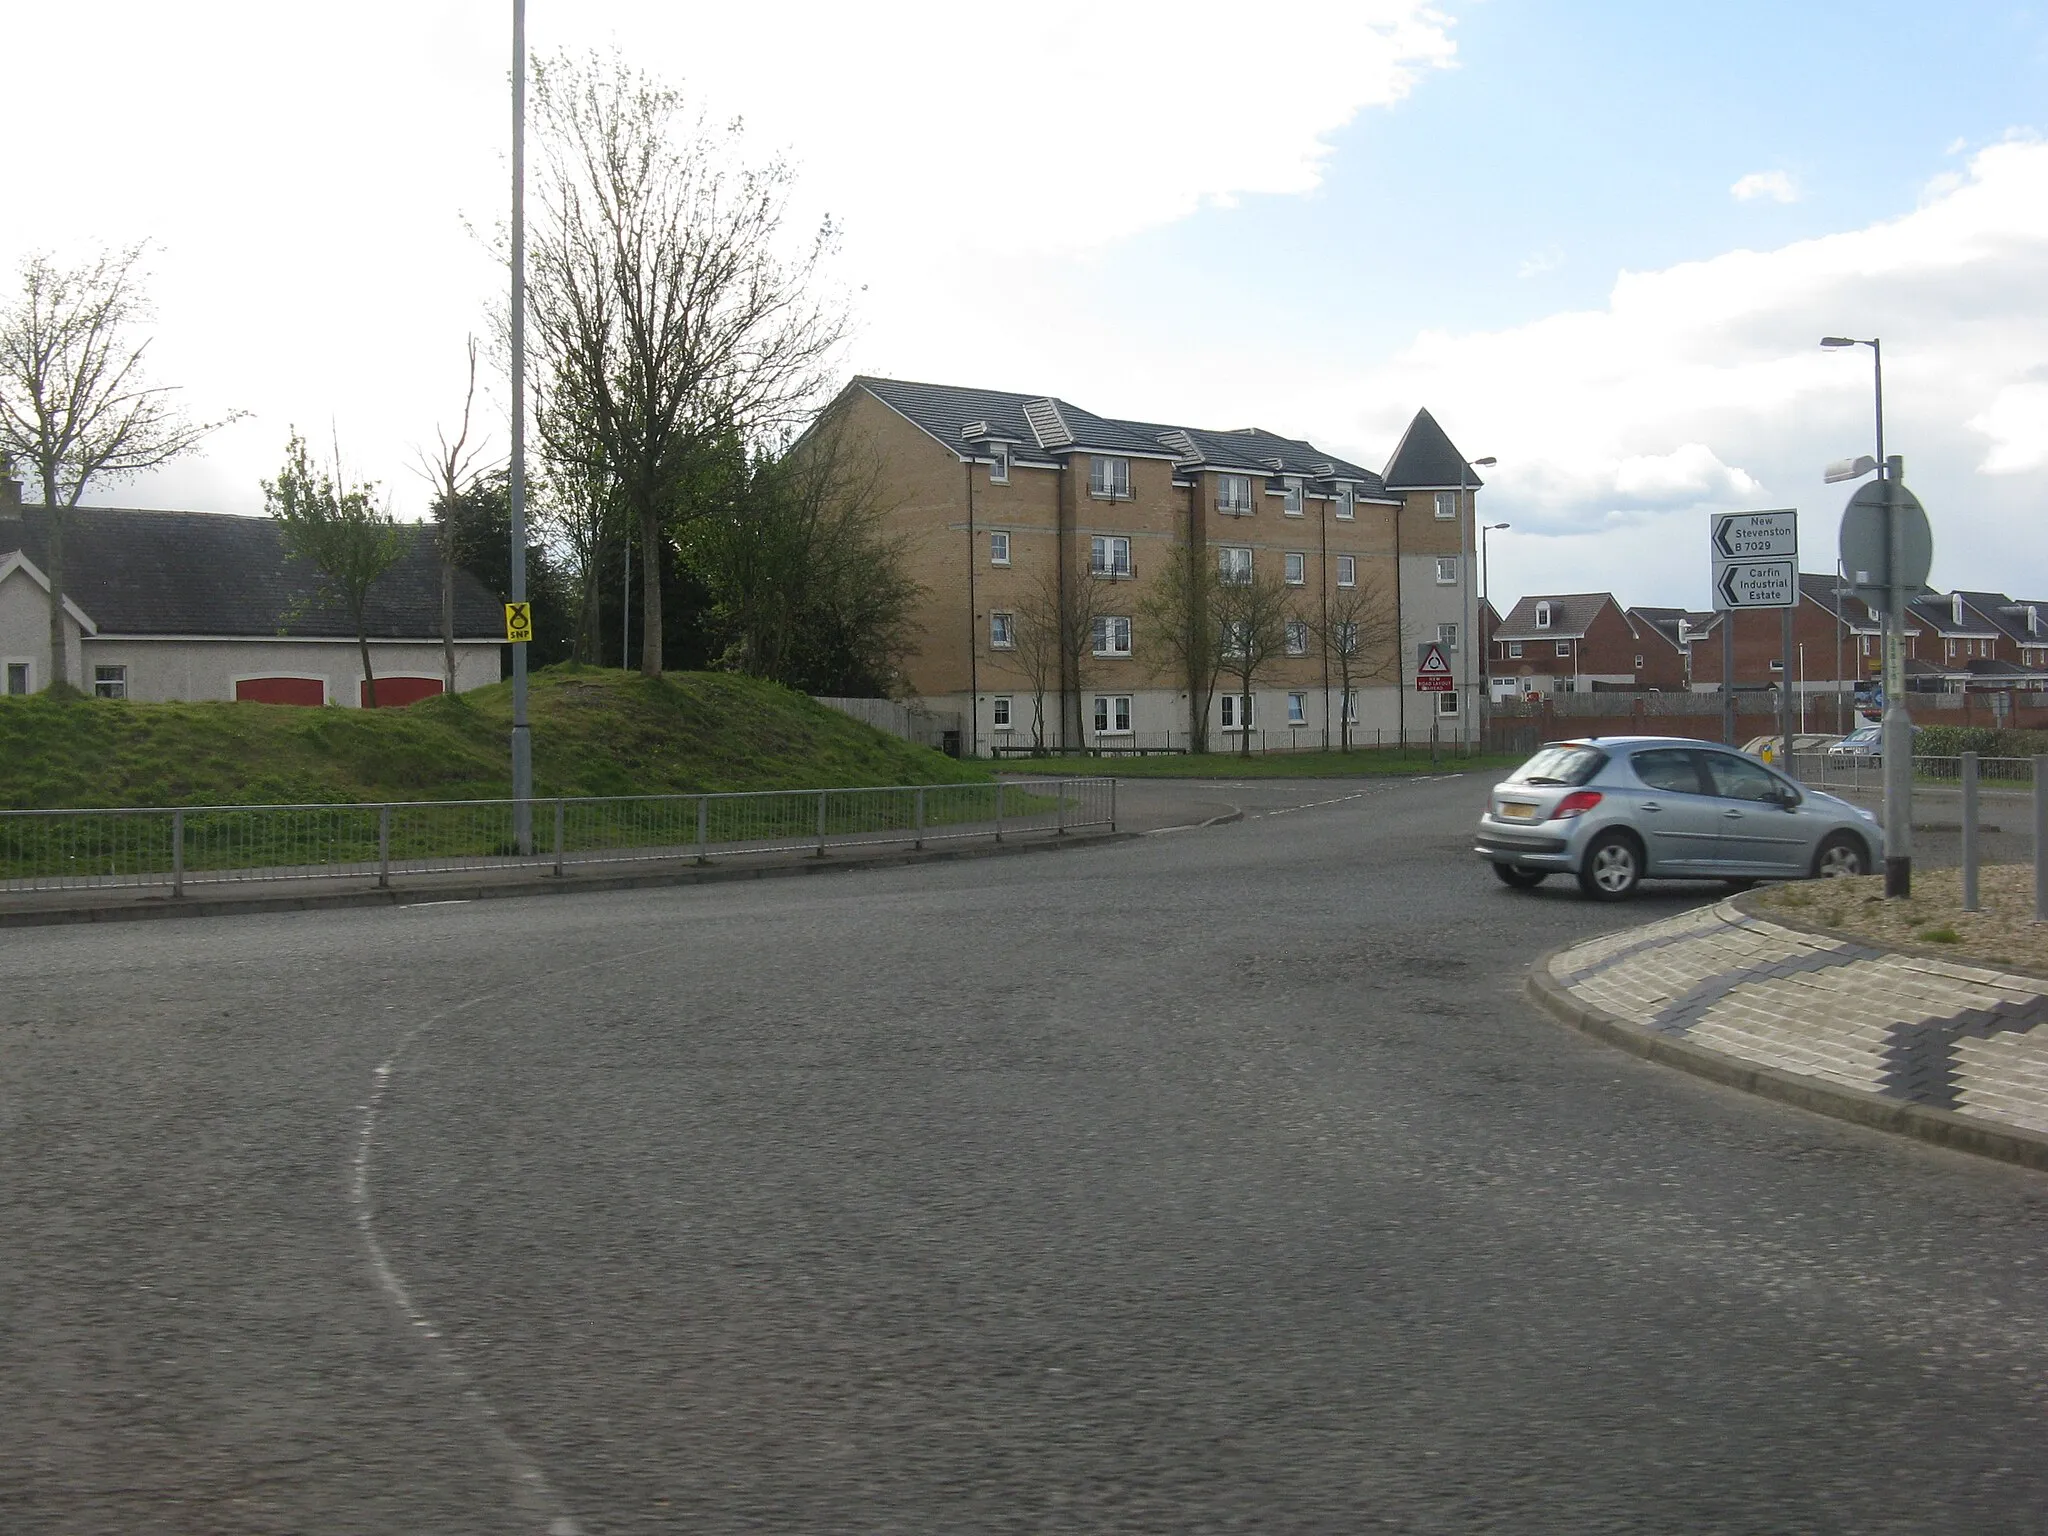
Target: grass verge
(1363, 764)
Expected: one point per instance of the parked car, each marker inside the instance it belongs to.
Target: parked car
(1616, 811)
(1864, 744)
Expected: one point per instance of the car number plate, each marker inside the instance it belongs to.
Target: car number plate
(1516, 810)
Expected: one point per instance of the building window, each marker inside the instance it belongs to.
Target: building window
(1564, 647)
(1112, 637)
(1447, 636)
(1233, 564)
(1296, 564)
(1447, 703)
(1234, 495)
(1543, 615)
(1236, 637)
(1567, 685)
(1514, 650)
(1297, 637)
(1002, 632)
(1347, 570)
(1639, 659)
(1109, 556)
(110, 682)
(1446, 570)
(1347, 503)
(1446, 506)
(1351, 705)
(999, 472)
(17, 677)
(1109, 478)
(1291, 502)
(1232, 703)
(998, 548)
(1347, 638)
(1113, 714)
(1297, 709)
(1001, 711)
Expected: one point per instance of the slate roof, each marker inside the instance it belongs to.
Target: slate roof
(1425, 459)
(1937, 611)
(1571, 614)
(210, 573)
(2009, 617)
(1663, 622)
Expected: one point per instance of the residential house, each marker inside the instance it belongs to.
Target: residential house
(1003, 499)
(1664, 647)
(1565, 642)
(198, 605)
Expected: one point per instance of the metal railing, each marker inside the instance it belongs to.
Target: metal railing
(1825, 771)
(180, 847)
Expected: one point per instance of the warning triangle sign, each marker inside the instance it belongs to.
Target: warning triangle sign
(1432, 663)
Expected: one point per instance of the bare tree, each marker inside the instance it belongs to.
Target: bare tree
(340, 531)
(665, 313)
(1055, 639)
(1252, 610)
(1180, 619)
(73, 397)
(1358, 630)
(453, 471)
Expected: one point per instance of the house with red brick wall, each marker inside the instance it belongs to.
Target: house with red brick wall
(1664, 656)
(1563, 643)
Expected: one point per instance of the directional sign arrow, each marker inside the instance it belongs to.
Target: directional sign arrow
(1756, 584)
(1755, 535)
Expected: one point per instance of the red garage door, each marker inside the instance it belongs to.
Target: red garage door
(400, 690)
(281, 690)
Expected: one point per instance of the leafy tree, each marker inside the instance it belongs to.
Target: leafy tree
(74, 401)
(1358, 631)
(1180, 619)
(665, 313)
(340, 531)
(1251, 611)
(476, 529)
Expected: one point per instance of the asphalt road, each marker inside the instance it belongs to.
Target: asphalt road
(1218, 1180)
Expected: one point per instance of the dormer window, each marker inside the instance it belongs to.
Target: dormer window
(1292, 492)
(1956, 609)
(1543, 615)
(1347, 503)
(999, 471)
(1109, 479)
(1234, 495)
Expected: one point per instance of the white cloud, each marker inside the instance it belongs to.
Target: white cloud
(2016, 421)
(1537, 263)
(1775, 185)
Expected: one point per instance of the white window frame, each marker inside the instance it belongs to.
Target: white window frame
(1347, 570)
(1236, 633)
(1112, 714)
(999, 471)
(1297, 637)
(1001, 713)
(1103, 550)
(1347, 638)
(1291, 496)
(1109, 478)
(1294, 567)
(1230, 569)
(7, 665)
(1562, 648)
(1543, 615)
(1447, 702)
(1347, 503)
(1639, 661)
(1229, 702)
(1447, 570)
(1446, 506)
(115, 687)
(1234, 495)
(1514, 650)
(1447, 636)
(1297, 710)
(1002, 631)
(1351, 706)
(1112, 635)
(998, 546)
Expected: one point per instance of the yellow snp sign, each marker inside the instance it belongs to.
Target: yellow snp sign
(518, 622)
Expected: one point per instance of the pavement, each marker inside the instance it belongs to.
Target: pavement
(1217, 1179)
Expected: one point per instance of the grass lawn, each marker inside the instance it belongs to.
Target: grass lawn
(595, 732)
(1361, 764)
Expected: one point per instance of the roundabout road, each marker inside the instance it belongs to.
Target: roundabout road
(1213, 1180)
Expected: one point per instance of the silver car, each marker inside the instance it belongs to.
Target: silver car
(1618, 810)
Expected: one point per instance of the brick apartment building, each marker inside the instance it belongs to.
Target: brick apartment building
(998, 494)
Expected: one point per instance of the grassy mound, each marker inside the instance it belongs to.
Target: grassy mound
(594, 733)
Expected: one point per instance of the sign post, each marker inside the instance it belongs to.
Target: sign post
(1433, 675)
(1756, 565)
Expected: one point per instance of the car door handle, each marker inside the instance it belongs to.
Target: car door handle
(1732, 815)
(1651, 805)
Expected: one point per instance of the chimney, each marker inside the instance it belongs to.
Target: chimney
(10, 488)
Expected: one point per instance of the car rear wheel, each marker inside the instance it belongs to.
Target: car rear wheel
(1613, 867)
(1520, 879)
(1839, 857)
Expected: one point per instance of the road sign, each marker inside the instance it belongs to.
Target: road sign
(1756, 584)
(1739, 536)
(1432, 672)
(1866, 544)
(518, 623)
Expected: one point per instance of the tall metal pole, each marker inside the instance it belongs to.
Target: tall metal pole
(1898, 725)
(1465, 522)
(522, 738)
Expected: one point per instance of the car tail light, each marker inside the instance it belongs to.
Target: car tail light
(1577, 803)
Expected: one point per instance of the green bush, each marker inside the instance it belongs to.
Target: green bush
(1984, 740)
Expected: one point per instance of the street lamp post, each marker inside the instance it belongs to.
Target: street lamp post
(522, 736)
(1898, 725)
(1465, 523)
(1485, 594)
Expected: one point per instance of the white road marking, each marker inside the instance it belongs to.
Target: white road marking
(449, 901)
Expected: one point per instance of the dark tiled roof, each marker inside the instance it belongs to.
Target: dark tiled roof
(1425, 458)
(2008, 617)
(208, 573)
(1571, 613)
(1659, 621)
(1938, 611)
(1038, 423)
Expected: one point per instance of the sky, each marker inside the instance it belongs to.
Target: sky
(1599, 240)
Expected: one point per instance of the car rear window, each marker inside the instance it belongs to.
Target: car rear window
(1560, 765)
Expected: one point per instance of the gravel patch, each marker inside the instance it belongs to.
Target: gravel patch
(2002, 931)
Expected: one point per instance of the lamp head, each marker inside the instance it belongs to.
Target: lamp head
(1496, 527)
(1848, 469)
(1484, 463)
(1838, 341)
